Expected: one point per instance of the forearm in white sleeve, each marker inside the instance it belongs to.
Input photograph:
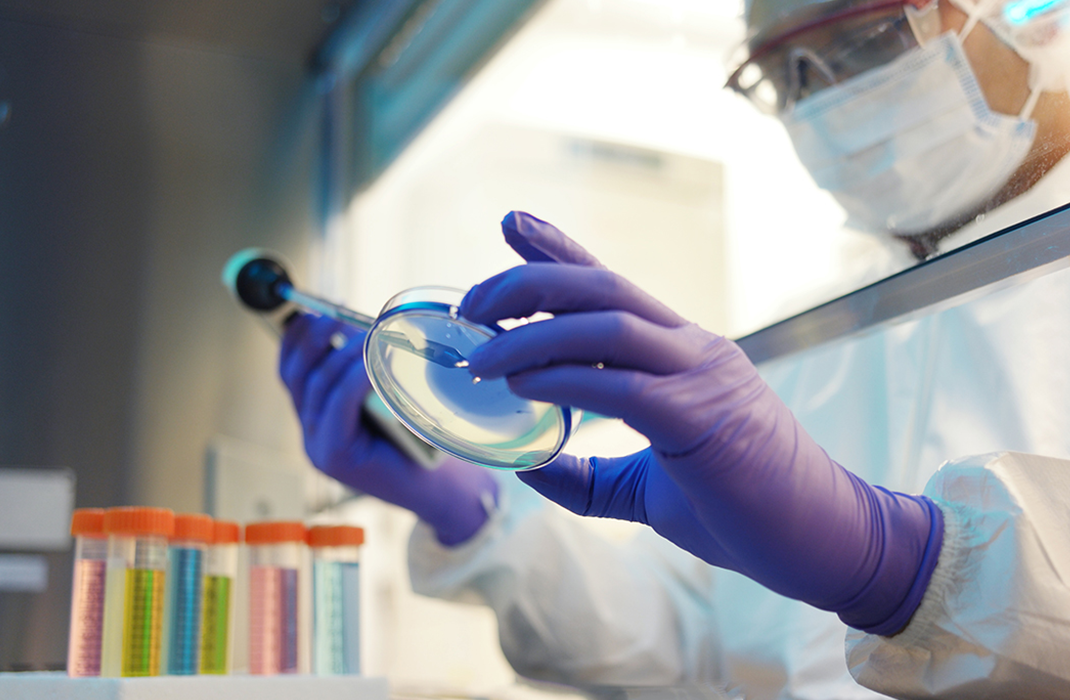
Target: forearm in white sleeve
(572, 606)
(995, 620)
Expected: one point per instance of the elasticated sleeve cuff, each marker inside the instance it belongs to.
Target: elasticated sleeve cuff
(994, 621)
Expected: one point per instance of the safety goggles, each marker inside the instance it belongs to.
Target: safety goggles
(822, 46)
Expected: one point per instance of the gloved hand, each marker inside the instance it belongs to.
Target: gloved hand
(328, 387)
(730, 475)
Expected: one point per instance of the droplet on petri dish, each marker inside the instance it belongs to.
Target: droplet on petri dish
(476, 380)
(599, 365)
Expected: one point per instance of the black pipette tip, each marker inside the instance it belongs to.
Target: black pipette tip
(254, 276)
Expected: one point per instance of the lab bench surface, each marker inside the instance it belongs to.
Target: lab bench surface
(58, 686)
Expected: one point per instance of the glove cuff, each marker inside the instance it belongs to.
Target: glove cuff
(899, 618)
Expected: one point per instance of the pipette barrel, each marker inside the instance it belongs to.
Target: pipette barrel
(276, 552)
(324, 307)
(336, 599)
(87, 592)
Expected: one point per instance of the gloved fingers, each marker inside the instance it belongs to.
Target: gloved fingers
(323, 381)
(613, 339)
(339, 419)
(305, 345)
(366, 463)
(560, 288)
(649, 404)
(608, 392)
(538, 241)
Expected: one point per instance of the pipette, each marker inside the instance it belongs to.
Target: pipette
(259, 280)
(262, 283)
(415, 355)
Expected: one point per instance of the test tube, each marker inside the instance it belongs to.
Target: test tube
(276, 550)
(185, 593)
(134, 590)
(87, 593)
(335, 599)
(221, 569)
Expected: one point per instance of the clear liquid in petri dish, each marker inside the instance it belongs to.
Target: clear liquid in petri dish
(481, 421)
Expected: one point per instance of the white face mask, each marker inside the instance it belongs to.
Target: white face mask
(909, 146)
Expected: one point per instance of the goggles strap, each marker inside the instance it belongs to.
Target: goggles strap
(976, 10)
(1030, 103)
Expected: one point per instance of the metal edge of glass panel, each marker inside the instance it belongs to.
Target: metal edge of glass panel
(1015, 255)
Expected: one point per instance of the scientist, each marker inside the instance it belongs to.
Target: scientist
(919, 120)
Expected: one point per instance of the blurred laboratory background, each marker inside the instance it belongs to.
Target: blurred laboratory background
(376, 144)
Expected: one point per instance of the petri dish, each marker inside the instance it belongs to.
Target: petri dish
(414, 353)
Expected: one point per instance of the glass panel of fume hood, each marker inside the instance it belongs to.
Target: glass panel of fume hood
(606, 119)
(647, 74)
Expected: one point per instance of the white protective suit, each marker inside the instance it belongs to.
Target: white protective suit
(892, 405)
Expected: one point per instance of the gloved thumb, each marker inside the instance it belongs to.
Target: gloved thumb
(565, 481)
(537, 241)
(598, 486)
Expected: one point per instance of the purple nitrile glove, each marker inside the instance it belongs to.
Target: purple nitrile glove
(730, 475)
(328, 386)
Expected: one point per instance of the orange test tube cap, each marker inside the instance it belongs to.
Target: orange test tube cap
(335, 536)
(275, 532)
(226, 532)
(193, 526)
(88, 522)
(139, 521)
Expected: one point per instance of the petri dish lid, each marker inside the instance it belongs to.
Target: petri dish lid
(412, 354)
